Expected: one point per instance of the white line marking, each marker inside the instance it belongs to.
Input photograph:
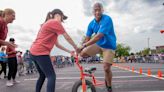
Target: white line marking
(121, 77)
(114, 81)
(95, 72)
(63, 85)
(146, 91)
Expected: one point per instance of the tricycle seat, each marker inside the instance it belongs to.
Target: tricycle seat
(90, 70)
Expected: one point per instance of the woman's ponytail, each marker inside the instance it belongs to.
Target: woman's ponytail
(1, 13)
(49, 16)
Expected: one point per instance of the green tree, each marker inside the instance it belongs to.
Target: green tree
(122, 50)
(146, 51)
(162, 51)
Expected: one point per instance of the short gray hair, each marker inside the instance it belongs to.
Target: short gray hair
(98, 4)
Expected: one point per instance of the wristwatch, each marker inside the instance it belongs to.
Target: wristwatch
(84, 45)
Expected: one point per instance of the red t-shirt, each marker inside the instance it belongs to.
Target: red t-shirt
(3, 29)
(11, 49)
(47, 37)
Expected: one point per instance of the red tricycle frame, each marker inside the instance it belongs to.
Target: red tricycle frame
(83, 75)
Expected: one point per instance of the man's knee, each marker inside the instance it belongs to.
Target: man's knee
(83, 54)
(107, 67)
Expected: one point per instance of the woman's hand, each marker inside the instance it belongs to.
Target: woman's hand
(78, 50)
(11, 45)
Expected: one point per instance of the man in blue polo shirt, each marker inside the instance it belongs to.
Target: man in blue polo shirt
(103, 41)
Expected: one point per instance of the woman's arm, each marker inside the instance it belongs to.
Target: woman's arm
(2, 42)
(69, 39)
(61, 47)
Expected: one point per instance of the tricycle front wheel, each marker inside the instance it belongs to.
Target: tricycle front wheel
(77, 87)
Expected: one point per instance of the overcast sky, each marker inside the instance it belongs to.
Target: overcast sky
(134, 20)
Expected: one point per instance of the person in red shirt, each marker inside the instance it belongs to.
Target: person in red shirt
(12, 63)
(7, 16)
(43, 44)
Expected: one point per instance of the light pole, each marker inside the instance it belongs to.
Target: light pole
(148, 39)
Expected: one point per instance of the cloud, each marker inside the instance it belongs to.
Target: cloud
(23, 37)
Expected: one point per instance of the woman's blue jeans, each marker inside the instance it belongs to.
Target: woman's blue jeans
(45, 69)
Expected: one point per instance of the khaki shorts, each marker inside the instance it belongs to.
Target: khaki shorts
(94, 49)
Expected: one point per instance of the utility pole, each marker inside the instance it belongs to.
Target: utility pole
(148, 39)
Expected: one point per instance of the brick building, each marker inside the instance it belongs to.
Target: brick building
(159, 48)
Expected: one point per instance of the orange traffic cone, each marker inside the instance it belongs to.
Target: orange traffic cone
(140, 70)
(149, 72)
(132, 69)
(159, 73)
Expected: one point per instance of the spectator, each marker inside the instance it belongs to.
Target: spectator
(20, 63)
(3, 60)
(8, 16)
(29, 63)
(12, 64)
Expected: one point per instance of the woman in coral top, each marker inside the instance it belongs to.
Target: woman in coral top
(41, 47)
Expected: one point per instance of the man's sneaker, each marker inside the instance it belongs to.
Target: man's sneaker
(109, 89)
(16, 82)
(9, 83)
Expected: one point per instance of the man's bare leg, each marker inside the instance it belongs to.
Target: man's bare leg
(108, 74)
(83, 54)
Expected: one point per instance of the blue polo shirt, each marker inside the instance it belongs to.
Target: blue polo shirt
(105, 26)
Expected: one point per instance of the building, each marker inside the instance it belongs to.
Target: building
(159, 48)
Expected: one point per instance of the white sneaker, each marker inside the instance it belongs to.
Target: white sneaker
(15, 82)
(9, 83)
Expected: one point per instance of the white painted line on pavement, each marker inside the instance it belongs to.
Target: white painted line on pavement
(95, 72)
(31, 79)
(121, 77)
(121, 81)
(146, 91)
(114, 81)
(63, 85)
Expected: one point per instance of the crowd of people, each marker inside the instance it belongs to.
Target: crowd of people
(61, 61)
(15, 64)
(151, 58)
